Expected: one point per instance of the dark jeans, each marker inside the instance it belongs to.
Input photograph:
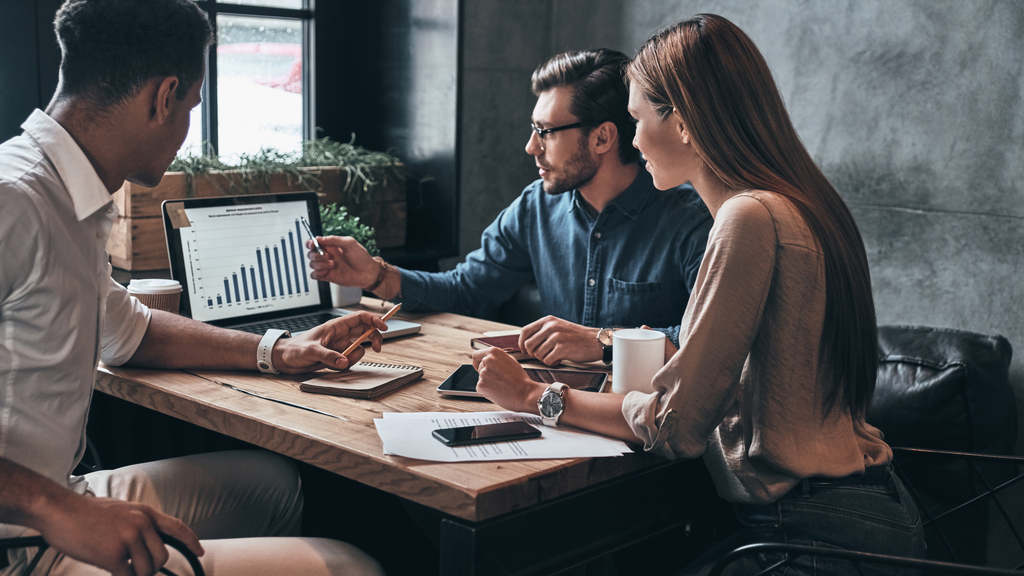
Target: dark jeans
(870, 513)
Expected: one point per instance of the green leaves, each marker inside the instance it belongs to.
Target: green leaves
(192, 164)
(336, 221)
(366, 170)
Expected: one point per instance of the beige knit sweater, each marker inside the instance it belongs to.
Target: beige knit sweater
(743, 389)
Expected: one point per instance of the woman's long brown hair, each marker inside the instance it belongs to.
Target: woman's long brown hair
(717, 81)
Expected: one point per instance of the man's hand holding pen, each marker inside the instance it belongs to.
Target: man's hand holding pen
(345, 262)
(323, 346)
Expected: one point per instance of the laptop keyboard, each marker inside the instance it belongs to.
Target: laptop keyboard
(293, 325)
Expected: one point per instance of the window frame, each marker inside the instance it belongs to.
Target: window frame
(210, 123)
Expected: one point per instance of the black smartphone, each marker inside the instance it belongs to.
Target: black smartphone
(462, 382)
(486, 433)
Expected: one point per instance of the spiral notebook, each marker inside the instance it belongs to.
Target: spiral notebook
(364, 380)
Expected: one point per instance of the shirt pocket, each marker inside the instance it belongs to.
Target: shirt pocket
(634, 304)
(634, 288)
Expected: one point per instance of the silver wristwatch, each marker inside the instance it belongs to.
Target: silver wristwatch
(552, 403)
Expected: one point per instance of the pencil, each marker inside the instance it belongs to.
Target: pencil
(366, 334)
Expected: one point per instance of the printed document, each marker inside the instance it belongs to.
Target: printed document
(409, 434)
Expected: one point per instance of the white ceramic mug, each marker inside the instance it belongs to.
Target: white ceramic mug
(157, 293)
(637, 355)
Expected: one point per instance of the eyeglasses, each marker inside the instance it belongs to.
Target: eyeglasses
(542, 132)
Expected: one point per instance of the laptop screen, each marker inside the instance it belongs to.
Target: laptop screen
(243, 258)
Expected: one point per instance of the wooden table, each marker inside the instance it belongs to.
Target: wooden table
(597, 504)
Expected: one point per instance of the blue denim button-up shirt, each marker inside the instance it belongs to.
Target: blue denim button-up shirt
(634, 264)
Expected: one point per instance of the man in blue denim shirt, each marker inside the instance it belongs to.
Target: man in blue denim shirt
(606, 248)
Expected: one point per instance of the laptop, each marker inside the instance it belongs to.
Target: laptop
(241, 262)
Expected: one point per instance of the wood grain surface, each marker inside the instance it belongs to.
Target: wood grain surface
(473, 491)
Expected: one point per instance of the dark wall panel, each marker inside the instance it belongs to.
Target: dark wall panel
(19, 74)
(49, 50)
(388, 72)
(29, 61)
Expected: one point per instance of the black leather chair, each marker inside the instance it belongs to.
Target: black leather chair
(944, 389)
(41, 545)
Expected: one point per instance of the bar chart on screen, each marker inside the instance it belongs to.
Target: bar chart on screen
(246, 258)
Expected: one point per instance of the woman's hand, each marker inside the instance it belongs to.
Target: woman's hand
(504, 382)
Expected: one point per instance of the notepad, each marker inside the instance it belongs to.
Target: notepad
(364, 380)
(509, 343)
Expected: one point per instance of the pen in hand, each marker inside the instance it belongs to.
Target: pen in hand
(311, 237)
(366, 334)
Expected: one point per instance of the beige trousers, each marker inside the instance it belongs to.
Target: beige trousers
(245, 506)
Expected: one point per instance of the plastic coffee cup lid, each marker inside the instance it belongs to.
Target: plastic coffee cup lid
(154, 286)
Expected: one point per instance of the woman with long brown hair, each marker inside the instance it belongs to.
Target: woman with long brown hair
(778, 344)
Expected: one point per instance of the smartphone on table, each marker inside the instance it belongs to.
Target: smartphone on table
(485, 433)
(463, 381)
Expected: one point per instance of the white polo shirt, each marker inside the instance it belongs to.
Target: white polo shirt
(60, 311)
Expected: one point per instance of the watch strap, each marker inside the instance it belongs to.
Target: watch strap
(264, 354)
(606, 349)
(555, 388)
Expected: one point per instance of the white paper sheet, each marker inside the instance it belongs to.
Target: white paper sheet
(409, 434)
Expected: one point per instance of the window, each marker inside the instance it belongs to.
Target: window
(258, 89)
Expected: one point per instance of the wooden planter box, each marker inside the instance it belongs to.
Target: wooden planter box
(137, 238)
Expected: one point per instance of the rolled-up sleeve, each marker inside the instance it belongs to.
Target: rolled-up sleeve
(698, 386)
(125, 324)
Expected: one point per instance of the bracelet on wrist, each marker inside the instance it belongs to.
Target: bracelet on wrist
(380, 276)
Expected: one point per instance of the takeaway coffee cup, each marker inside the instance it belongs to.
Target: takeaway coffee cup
(637, 355)
(157, 293)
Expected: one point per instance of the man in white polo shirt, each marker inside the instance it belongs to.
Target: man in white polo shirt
(131, 72)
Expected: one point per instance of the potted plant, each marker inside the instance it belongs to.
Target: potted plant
(336, 221)
(372, 185)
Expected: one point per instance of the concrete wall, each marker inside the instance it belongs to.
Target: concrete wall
(914, 109)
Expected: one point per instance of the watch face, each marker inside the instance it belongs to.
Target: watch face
(550, 404)
(605, 336)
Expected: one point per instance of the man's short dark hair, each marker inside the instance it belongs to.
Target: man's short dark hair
(598, 92)
(111, 48)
